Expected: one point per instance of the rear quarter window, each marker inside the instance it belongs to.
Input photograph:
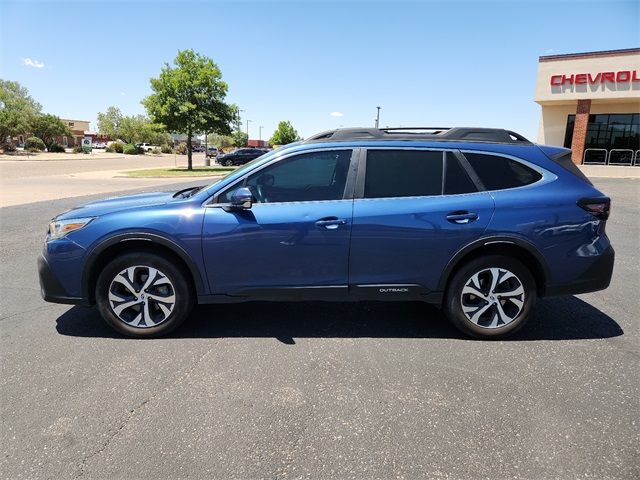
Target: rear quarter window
(498, 173)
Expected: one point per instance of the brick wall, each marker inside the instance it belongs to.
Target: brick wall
(580, 131)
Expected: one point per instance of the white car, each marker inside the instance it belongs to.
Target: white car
(147, 147)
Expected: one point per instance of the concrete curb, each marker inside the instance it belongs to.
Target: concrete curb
(610, 171)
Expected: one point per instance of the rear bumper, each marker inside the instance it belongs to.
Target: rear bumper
(50, 287)
(596, 277)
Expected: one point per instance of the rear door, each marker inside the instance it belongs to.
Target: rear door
(414, 209)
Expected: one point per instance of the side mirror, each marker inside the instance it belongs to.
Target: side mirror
(241, 198)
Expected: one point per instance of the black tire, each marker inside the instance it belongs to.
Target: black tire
(179, 284)
(229, 163)
(453, 303)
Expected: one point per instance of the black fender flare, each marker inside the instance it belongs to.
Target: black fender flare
(494, 240)
(152, 238)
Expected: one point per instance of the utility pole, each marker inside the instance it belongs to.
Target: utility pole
(378, 117)
(238, 118)
(248, 129)
(260, 132)
(207, 160)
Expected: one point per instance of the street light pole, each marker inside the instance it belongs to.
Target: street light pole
(260, 132)
(378, 117)
(248, 129)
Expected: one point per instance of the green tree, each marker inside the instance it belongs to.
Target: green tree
(131, 129)
(17, 110)
(189, 98)
(47, 127)
(109, 122)
(285, 133)
(221, 141)
(240, 139)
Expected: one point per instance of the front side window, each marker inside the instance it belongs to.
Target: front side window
(403, 173)
(307, 177)
(497, 172)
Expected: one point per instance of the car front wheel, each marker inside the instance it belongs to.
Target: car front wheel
(228, 163)
(490, 297)
(143, 295)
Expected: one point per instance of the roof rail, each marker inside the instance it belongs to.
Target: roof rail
(455, 134)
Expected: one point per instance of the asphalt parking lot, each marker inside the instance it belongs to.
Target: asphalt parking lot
(319, 390)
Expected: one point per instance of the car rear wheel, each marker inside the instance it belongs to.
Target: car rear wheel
(490, 297)
(143, 295)
(228, 163)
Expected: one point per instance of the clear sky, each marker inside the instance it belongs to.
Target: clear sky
(425, 63)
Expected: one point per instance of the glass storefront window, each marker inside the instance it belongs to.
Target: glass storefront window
(619, 132)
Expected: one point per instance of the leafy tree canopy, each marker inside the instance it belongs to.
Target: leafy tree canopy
(131, 129)
(189, 98)
(284, 134)
(240, 139)
(17, 109)
(47, 127)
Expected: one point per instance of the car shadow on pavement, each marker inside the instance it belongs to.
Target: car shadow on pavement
(563, 318)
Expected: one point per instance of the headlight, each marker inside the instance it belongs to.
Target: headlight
(60, 228)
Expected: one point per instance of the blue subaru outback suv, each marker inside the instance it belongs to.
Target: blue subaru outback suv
(478, 221)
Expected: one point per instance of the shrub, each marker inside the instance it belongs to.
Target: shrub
(181, 149)
(166, 149)
(130, 149)
(77, 149)
(8, 147)
(33, 150)
(56, 148)
(115, 147)
(156, 151)
(34, 144)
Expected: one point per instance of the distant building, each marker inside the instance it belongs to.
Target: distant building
(178, 138)
(257, 143)
(591, 104)
(79, 128)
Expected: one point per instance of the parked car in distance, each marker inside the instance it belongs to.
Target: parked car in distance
(197, 148)
(212, 151)
(240, 156)
(479, 222)
(99, 145)
(146, 147)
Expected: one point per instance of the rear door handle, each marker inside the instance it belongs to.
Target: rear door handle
(331, 223)
(462, 217)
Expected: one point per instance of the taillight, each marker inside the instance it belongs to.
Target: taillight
(599, 207)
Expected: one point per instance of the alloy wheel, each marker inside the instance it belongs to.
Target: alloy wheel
(492, 298)
(142, 296)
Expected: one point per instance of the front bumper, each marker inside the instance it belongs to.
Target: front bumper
(596, 277)
(50, 287)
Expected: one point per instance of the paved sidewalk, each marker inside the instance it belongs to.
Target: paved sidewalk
(29, 181)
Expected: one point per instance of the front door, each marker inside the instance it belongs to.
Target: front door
(295, 236)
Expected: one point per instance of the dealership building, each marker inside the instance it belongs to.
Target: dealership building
(591, 104)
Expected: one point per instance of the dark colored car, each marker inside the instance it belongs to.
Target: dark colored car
(480, 222)
(240, 156)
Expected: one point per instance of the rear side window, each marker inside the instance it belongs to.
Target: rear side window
(403, 173)
(456, 178)
(498, 172)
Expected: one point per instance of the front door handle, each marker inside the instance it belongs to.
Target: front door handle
(331, 223)
(462, 217)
